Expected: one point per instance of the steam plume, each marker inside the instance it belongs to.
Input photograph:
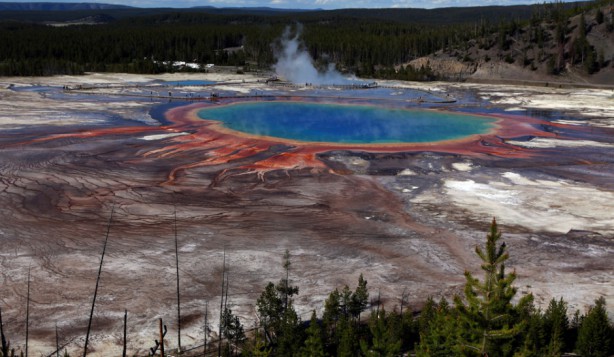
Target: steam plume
(295, 64)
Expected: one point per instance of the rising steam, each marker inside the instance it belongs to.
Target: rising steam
(295, 64)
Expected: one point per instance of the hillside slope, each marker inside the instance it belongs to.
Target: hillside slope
(576, 49)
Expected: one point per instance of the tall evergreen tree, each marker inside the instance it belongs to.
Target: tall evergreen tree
(346, 302)
(385, 339)
(531, 340)
(258, 347)
(360, 298)
(409, 329)
(270, 312)
(232, 331)
(571, 336)
(427, 315)
(595, 335)
(314, 346)
(290, 337)
(285, 289)
(348, 338)
(330, 318)
(486, 314)
(340, 310)
(439, 339)
(278, 318)
(555, 325)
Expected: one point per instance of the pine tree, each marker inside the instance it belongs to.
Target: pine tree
(486, 315)
(331, 317)
(555, 325)
(346, 305)
(346, 302)
(531, 339)
(385, 340)
(258, 347)
(427, 316)
(599, 16)
(290, 337)
(348, 341)
(276, 313)
(409, 329)
(595, 335)
(591, 64)
(270, 311)
(571, 336)
(284, 287)
(314, 347)
(232, 331)
(359, 299)
(440, 338)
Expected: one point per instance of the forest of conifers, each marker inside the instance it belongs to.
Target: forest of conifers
(364, 42)
(486, 320)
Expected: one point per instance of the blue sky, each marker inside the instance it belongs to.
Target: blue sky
(305, 4)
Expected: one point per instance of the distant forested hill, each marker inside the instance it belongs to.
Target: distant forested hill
(42, 12)
(563, 45)
(54, 6)
(367, 42)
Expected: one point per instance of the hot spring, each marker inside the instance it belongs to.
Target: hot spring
(345, 124)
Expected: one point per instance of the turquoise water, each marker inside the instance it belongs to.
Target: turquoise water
(345, 124)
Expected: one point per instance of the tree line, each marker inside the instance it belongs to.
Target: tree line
(483, 321)
(359, 42)
(143, 45)
(486, 320)
(366, 43)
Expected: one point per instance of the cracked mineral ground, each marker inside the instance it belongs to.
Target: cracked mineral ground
(407, 217)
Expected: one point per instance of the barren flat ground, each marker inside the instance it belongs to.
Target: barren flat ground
(407, 219)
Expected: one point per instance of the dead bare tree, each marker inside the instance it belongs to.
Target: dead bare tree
(206, 327)
(219, 347)
(28, 312)
(159, 344)
(57, 341)
(125, 326)
(162, 334)
(225, 326)
(5, 344)
(59, 348)
(178, 299)
(226, 292)
(378, 302)
(104, 248)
